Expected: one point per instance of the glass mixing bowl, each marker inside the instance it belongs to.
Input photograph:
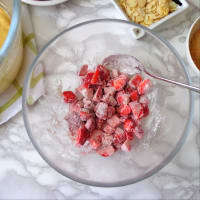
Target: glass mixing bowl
(11, 52)
(170, 111)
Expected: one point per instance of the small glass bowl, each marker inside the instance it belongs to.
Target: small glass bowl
(166, 127)
(11, 53)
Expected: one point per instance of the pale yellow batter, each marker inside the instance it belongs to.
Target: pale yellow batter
(4, 26)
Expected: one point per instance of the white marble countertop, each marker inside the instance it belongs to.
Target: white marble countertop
(23, 173)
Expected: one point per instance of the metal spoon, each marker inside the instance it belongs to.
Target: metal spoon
(131, 62)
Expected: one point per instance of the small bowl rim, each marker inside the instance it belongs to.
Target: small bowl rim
(188, 53)
(124, 182)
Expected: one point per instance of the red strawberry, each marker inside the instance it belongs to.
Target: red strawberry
(119, 138)
(108, 129)
(96, 77)
(90, 124)
(85, 114)
(106, 151)
(87, 80)
(83, 70)
(82, 135)
(86, 92)
(145, 110)
(119, 82)
(111, 111)
(99, 123)
(107, 139)
(69, 97)
(98, 94)
(101, 110)
(129, 135)
(129, 125)
(135, 81)
(145, 86)
(96, 139)
(137, 110)
(134, 95)
(122, 98)
(88, 104)
(126, 146)
(76, 107)
(104, 73)
(123, 118)
(114, 121)
(109, 90)
(124, 110)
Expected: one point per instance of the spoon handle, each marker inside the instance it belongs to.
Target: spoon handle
(195, 89)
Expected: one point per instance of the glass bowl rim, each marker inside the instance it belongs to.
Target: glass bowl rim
(15, 21)
(128, 181)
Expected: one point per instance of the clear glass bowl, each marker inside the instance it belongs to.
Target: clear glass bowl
(11, 53)
(171, 108)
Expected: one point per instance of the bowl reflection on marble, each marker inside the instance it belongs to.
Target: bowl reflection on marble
(90, 42)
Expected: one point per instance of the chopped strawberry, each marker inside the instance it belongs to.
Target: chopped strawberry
(78, 94)
(135, 81)
(145, 110)
(128, 89)
(129, 125)
(82, 135)
(100, 123)
(145, 86)
(96, 77)
(115, 73)
(107, 139)
(69, 97)
(137, 110)
(104, 72)
(112, 101)
(96, 139)
(144, 100)
(119, 138)
(87, 80)
(86, 92)
(83, 70)
(84, 114)
(76, 107)
(123, 118)
(114, 121)
(119, 82)
(138, 131)
(126, 146)
(98, 94)
(134, 95)
(88, 104)
(129, 135)
(108, 129)
(122, 98)
(90, 124)
(106, 151)
(109, 90)
(124, 110)
(111, 111)
(101, 110)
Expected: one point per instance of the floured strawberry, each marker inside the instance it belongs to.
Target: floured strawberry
(137, 110)
(124, 110)
(101, 110)
(129, 125)
(119, 82)
(114, 121)
(134, 95)
(138, 132)
(135, 81)
(145, 110)
(144, 100)
(108, 129)
(109, 90)
(107, 140)
(115, 73)
(145, 86)
(96, 77)
(104, 73)
(96, 139)
(90, 124)
(106, 151)
(99, 123)
(86, 92)
(69, 97)
(129, 135)
(122, 97)
(76, 107)
(126, 146)
(83, 71)
(119, 137)
(98, 94)
(88, 104)
(111, 111)
(85, 114)
(87, 80)
(82, 135)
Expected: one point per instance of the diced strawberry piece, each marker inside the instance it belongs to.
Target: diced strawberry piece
(129, 125)
(115, 73)
(135, 81)
(86, 92)
(122, 98)
(109, 90)
(145, 110)
(78, 94)
(129, 135)
(119, 82)
(112, 101)
(73, 120)
(114, 121)
(90, 124)
(128, 89)
(145, 86)
(83, 71)
(134, 95)
(69, 97)
(99, 123)
(110, 83)
(106, 151)
(84, 114)
(138, 131)
(108, 129)
(104, 72)
(96, 77)
(98, 94)
(123, 118)
(88, 104)
(87, 80)
(144, 100)
(124, 110)
(76, 107)
(111, 111)
(137, 110)
(101, 110)
(107, 139)
(126, 146)
(119, 138)
(82, 135)
(96, 139)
